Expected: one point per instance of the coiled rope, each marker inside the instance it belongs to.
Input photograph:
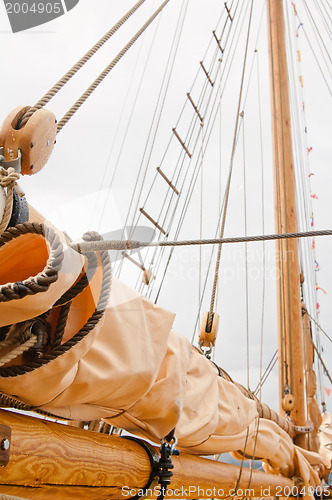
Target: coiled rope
(8, 179)
(58, 348)
(42, 281)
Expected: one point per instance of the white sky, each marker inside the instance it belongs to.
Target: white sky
(67, 189)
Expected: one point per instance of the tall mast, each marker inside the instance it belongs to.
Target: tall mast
(291, 348)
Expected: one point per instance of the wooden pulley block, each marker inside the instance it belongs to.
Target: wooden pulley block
(208, 338)
(147, 275)
(288, 402)
(35, 139)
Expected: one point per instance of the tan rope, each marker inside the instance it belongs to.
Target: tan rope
(9, 497)
(18, 351)
(223, 223)
(101, 77)
(321, 360)
(8, 180)
(55, 89)
(16, 333)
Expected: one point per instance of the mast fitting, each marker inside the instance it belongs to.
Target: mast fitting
(288, 402)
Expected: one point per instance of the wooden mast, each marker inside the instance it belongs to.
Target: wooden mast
(291, 350)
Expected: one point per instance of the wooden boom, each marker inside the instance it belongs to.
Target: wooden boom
(52, 460)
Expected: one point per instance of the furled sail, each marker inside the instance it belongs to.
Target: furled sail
(120, 360)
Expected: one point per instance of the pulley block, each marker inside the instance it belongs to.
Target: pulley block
(34, 141)
(208, 335)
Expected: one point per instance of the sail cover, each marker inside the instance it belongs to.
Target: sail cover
(128, 366)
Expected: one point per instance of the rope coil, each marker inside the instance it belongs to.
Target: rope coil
(42, 281)
(8, 179)
(58, 348)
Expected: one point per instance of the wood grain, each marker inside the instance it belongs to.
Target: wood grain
(56, 461)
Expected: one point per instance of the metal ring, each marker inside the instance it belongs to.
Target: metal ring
(154, 462)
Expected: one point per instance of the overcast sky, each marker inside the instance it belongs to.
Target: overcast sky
(68, 190)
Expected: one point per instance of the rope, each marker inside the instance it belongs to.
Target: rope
(78, 287)
(101, 77)
(55, 89)
(57, 348)
(16, 333)
(318, 325)
(321, 360)
(266, 374)
(9, 497)
(18, 351)
(97, 246)
(8, 180)
(42, 281)
(216, 274)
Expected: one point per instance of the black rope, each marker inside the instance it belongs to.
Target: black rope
(165, 469)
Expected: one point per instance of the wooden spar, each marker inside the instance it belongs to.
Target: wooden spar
(291, 351)
(51, 460)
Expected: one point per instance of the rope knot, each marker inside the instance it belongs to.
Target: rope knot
(8, 178)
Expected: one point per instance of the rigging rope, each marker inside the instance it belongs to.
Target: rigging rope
(55, 89)
(208, 125)
(106, 71)
(96, 246)
(318, 325)
(8, 178)
(216, 275)
(322, 362)
(100, 78)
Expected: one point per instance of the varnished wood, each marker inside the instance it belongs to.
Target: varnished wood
(35, 140)
(44, 452)
(51, 460)
(291, 353)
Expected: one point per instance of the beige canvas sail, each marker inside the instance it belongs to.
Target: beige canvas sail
(133, 370)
